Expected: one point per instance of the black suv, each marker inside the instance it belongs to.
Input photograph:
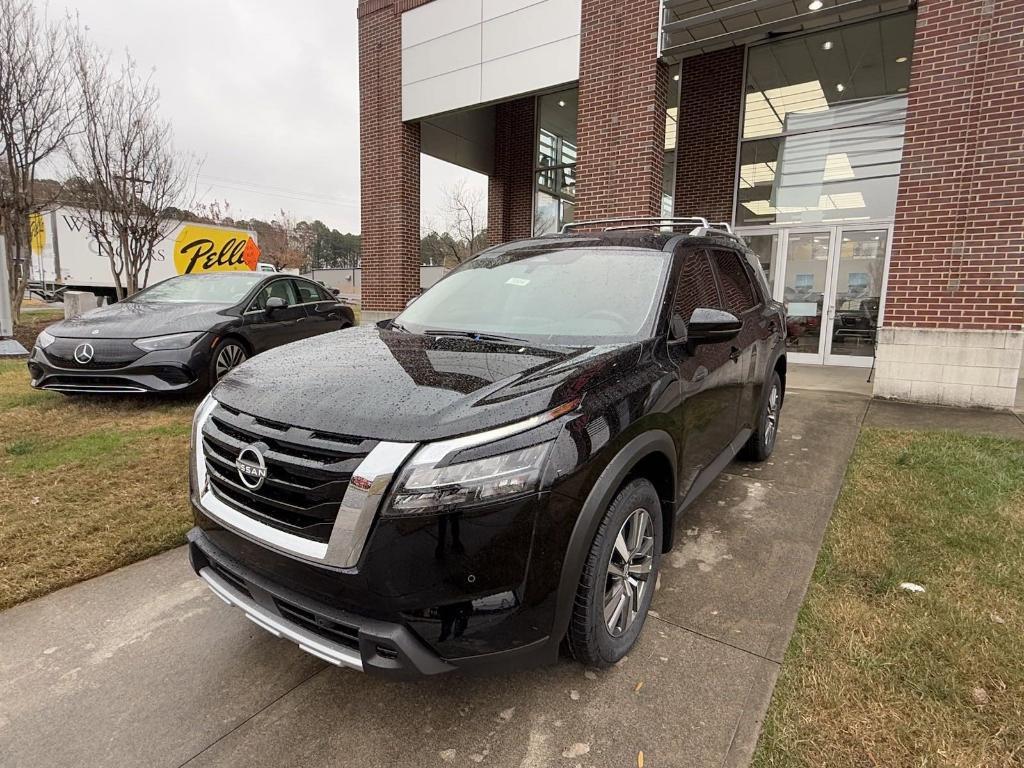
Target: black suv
(500, 467)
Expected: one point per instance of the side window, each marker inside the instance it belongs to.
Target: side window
(325, 295)
(283, 289)
(308, 292)
(696, 285)
(737, 289)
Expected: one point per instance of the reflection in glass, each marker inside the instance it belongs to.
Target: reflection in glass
(806, 272)
(556, 161)
(765, 247)
(858, 292)
(823, 125)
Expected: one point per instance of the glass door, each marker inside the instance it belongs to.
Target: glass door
(805, 286)
(855, 299)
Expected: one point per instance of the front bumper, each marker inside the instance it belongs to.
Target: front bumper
(166, 371)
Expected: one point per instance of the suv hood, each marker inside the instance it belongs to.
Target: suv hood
(131, 320)
(389, 385)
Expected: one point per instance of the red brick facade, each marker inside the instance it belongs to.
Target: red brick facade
(389, 162)
(623, 94)
(958, 254)
(710, 84)
(510, 188)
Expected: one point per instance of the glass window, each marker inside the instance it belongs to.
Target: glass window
(668, 189)
(696, 286)
(823, 125)
(307, 292)
(282, 289)
(556, 161)
(566, 296)
(737, 291)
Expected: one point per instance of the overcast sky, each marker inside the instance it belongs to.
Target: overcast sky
(264, 91)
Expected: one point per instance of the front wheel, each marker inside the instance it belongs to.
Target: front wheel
(227, 355)
(761, 444)
(619, 576)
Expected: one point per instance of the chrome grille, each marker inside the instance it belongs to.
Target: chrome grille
(308, 471)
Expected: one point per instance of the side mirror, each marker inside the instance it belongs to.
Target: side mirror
(275, 303)
(711, 326)
(336, 291)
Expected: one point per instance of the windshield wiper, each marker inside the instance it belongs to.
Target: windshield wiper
(480, 336)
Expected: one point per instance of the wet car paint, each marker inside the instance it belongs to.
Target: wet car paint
(490, 580)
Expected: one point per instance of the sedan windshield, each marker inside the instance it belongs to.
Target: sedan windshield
(569, 296)
(214, 288)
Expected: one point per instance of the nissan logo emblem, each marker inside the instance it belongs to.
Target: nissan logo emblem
(84, 353)
(252, 469)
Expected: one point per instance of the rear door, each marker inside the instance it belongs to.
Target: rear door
(272, 328)
(707, 375)
(323, 310)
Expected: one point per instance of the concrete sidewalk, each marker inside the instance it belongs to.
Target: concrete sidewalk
(145, 667)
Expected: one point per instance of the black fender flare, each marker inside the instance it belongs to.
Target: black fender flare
(593, 509)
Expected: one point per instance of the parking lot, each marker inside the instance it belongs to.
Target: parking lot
(144, 666)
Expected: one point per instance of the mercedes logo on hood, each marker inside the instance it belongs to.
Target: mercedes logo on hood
(84, 353)
(252, 469)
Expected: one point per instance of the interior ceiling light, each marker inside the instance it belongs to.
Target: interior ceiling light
(901, 60)
(676, 77)
(561, 102)
(840, 87)
(815, 6)
(827, 45)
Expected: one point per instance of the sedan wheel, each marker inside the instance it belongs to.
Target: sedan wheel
(229, 356)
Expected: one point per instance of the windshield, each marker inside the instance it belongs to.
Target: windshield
(215, 288)
(570, 296)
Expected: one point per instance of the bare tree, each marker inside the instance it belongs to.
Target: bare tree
(125, 158)
(465, 218)
(38, 115)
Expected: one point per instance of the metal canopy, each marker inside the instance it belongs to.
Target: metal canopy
(691, 27)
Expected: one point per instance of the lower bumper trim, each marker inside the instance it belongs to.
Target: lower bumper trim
(323, 649)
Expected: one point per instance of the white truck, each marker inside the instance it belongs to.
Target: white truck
(66, 257)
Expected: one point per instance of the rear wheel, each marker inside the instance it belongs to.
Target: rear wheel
(227, 355)
(619, 575)
(761, 444)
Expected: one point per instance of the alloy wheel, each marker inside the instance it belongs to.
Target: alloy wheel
(229, 356)
(629, 570)
(771, 416)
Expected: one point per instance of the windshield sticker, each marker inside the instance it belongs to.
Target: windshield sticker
(517, 281)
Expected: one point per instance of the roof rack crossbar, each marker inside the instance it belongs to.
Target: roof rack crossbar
(698, 225)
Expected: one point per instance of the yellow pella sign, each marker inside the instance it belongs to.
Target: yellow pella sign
(200, 249)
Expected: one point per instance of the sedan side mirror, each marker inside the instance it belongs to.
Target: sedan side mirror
(711, 326)
(275, 303)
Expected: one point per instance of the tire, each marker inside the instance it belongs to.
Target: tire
(599, 637)
(761, 444)
(228, 354)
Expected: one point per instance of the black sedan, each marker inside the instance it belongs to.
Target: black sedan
(183, 334)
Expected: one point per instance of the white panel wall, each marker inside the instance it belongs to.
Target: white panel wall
(461, 53)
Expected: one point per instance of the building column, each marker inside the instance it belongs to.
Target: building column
(954, 308)
(711, 93)
(623, 95)
(511, 186)
(389, 166)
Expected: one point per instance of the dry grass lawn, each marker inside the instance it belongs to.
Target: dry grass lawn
(86, 484)
(880, 677)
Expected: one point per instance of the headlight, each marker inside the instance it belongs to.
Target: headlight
(424, 488)
(44, 340)
(174, 341)
(197, 463)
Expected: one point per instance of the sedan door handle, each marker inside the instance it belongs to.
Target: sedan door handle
(734, 353)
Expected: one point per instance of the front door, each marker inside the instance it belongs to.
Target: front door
(831, 281)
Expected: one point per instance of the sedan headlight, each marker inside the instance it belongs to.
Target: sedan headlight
(44, 340)
(173, 341)
(425, 488)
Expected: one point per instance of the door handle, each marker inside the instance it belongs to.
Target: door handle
(734, 354)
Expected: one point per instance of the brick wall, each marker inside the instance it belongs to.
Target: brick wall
(710, 85)
(510, 189)
(623, 97)
(389, 162)
(958, 254)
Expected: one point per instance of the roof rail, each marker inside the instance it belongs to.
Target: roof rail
(698, 225)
